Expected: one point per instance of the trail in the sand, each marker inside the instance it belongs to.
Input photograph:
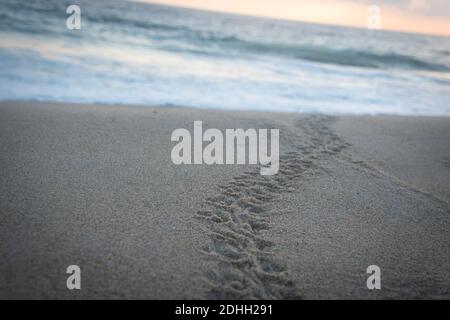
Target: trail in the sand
(384, 223)
(248, 266)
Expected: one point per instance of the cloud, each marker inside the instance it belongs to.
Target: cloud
(439, 8)
(420, 16)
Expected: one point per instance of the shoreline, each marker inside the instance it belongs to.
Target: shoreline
(280, 112)
(94, 185)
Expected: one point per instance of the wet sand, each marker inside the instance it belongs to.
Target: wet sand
(94, 186)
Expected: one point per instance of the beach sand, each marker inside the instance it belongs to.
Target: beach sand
(94, 186)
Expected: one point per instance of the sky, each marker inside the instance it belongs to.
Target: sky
(417, 16)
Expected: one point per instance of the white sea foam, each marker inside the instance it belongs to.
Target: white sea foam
(135, 53)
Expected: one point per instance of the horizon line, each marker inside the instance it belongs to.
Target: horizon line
(287, 19)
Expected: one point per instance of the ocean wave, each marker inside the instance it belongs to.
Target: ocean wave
(321, 54)
(196, 33)
(208, 42)
(135, 53)
(140, 24)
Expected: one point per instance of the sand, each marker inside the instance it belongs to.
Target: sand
(94, 186)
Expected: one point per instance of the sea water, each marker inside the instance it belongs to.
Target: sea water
(138, 53)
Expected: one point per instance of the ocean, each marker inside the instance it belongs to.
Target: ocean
(144, 54)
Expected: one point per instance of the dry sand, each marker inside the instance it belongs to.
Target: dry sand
(94, 186)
